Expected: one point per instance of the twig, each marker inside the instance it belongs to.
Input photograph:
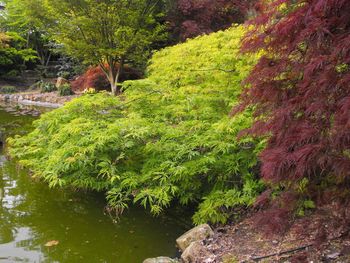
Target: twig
(213, 69)
(120, 106)
(282, 253)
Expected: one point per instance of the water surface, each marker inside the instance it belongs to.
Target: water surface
(32, 214)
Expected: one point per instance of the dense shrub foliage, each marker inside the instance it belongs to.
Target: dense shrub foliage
(47, 87)
(301, 91)
(65, 90)
(7, 89)
(169, 137)
(94, 77)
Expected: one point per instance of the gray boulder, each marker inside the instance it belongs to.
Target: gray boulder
(198, 233)
(61, 81)
(197, 253)
(160, 260)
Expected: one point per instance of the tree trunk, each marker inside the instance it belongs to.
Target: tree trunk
(113, 75)
(113, 80)
(113, 85)
(119, 72)
(27, 45)
(48, 59)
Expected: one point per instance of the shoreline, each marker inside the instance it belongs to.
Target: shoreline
(47, 100)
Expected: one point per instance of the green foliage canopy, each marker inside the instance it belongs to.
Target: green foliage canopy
(13, 53)
(107, 33)
(169, 137)
(29, 19)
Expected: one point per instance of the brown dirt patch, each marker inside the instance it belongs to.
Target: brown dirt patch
(318, 237)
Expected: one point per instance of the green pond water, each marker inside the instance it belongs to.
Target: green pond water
(32, 214)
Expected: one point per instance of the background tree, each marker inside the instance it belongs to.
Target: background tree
(28, 19)
(107, 33)
(301, 91)
(13, 53)
(190, 18)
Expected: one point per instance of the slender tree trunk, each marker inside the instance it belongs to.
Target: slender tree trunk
(113, 86)
(27, 45)
(114, 76)
(48, 59)
(119, 72)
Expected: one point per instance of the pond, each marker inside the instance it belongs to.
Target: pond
(32, 215)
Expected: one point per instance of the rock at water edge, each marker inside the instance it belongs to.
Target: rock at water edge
(197, 253)
(160, 260)
(61, 81)
(198, 233)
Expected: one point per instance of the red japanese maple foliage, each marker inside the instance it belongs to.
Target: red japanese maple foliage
(301, 90)
(191, 18)
(95, 78)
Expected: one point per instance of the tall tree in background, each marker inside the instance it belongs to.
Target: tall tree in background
(301, 90)
(13, 54)
(190, 18)
(107, 33)
(28, 19)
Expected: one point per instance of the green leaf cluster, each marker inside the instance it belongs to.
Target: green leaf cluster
(107, 31)
(29, 19)
(65, 90)
(13, 53)
(168, 138)
(47, 87)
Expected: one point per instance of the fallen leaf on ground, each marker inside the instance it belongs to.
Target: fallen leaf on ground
(52, 243)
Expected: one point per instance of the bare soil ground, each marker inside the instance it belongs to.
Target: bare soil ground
(318, 237)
